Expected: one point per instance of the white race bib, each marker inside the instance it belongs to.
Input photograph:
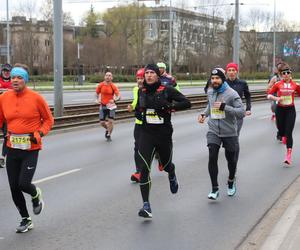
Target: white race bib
(153, 118)
(20, 141)
(215, 113)
(111, 106)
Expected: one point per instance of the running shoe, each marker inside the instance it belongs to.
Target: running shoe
(284, 140)
(213, 195)
(2, 162)
(278, 137)
(173, 184)
(37, 202)
(106, 134)
(273, 118)
(108, 138)
(25, 225)
(288, 158)
(160, 166)
(136, 177)
(231, 188)
(145, 211)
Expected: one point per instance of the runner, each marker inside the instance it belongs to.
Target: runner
(223, 109)
(138, 123)
(241, 87)
(5, 84)
(107, 96)
(275, 78)
(28, 119)
(165, 78)
(155, 101)
(285, 111)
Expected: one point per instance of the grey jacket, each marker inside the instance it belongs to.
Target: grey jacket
(234, 109)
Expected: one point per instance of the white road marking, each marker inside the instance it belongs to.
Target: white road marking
(56, 176)
(1, 238)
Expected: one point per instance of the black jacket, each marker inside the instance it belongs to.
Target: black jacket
(241, 87)
(164, 100)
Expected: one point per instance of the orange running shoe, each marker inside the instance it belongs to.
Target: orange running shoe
(136, 177)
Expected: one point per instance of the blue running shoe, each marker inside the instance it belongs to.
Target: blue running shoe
(231, 191)
(213, 195)
(145, 211)
(173, 184)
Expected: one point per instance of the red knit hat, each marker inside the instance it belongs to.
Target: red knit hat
(232, 65)
(140, 73)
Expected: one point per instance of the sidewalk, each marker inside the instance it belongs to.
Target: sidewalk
(286, 234)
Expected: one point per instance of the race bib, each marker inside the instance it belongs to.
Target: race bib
(153, 118)
(215, 113)
(286, 100)
(21, 141)
(111, 106)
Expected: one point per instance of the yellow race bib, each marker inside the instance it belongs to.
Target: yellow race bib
(215, 113)
(20, 141)
(153, 118)
(286, 100)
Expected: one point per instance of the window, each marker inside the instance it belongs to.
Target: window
(47, 43)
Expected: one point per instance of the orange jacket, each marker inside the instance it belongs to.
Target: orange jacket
(107, 92)
(25, 113)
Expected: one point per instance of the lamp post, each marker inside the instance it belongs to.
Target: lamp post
(7, 34)
(274, 36)
(236, 34)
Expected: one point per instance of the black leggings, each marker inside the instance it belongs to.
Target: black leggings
(213, 163)
(136, 133)
(148, 144)
(4, 147)
(286, 117)
(21, 165)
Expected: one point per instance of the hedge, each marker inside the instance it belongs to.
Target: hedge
(131, 78)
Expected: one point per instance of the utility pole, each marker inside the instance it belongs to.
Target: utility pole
(236, 34)
(274, 36)
(58, 58)
(8, 33)
(170, 38)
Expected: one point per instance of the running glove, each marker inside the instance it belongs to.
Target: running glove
(36, 137)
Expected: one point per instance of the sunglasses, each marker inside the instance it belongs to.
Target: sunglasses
(286, 72)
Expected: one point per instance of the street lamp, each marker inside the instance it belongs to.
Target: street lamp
(7, 34)
(274, 36)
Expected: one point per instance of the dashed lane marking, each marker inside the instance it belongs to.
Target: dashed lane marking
(56, 176)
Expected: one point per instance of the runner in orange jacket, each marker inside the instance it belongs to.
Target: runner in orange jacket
(28, 119)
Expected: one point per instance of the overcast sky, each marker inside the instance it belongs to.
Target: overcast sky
(290, 8)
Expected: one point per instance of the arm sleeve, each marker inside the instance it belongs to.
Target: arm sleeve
(135, 97)
(247, 95)
(237, 108)
(181, 102)
(46, 115)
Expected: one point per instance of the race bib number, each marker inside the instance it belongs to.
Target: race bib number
(20, 141)
(215, 113)
(286, 100)
(153, 118)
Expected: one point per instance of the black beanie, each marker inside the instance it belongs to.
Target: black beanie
(219, 72)
(153, 67)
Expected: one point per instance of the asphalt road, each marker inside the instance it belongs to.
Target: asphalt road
(77, 97)
(93, 205)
